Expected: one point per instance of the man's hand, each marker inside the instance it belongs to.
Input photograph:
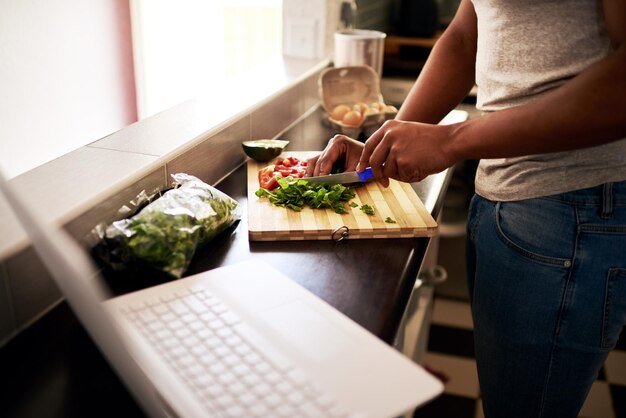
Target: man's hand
(406, 151)
(340, 146)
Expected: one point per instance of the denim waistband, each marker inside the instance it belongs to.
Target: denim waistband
(609, 193)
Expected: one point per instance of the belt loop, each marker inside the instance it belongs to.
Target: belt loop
(607, 201)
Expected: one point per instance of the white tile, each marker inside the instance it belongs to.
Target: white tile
(310, 91)
(33, 290)
(7, 317)
(161, 133)
(452, 313)
(216, 155)
(615, 367)
(598, 403)
(461, 373)
(12, 235)
(77, 181)
(276, 115)
(108, 210)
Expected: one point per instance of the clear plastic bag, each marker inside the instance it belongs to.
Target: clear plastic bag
(165, 234)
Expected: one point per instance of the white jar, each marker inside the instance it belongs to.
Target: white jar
(360, 47)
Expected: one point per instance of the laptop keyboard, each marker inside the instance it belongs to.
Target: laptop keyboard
(234, 371)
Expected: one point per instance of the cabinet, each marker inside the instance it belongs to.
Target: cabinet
(405, 56)
(393, 44)
(412, 336)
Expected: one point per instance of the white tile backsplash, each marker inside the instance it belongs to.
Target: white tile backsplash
(108, 209)
(310, 92)
(277, 115)
(32, 289)
(159, 134)
(77, 181)
(207, 159)
(7, 317)
(12, 235)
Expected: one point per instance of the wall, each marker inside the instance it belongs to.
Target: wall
(66, 77)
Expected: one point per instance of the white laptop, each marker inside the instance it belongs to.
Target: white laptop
(238, 341)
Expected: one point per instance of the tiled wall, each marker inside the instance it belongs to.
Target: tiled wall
(99, 178)
(7, 316)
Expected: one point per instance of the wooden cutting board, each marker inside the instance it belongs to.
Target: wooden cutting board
(399, 201)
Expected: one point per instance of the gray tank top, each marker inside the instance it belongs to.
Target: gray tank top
(525, 49)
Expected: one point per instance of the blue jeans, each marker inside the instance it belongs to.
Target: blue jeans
(547, 281)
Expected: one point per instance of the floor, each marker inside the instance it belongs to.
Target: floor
(451, 354)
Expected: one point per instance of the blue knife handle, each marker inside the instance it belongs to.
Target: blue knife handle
(366, 174)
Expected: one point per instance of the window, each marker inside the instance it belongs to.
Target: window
(70, 75)
(188, 49)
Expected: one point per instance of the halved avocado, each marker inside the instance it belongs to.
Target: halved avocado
(264, 149)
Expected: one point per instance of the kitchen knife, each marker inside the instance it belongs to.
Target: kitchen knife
(343, 178)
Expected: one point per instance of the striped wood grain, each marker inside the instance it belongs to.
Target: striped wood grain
(399, 201)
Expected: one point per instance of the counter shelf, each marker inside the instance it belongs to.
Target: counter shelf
(53, 369)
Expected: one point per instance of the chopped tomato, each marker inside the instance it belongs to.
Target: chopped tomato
(291, 161)
(267, 177)
(289, 166)
(297, 173)
(271, 184)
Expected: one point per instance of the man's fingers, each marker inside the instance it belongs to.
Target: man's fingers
(323, 163)
(310, 166)
(372, 144)
(379, 157)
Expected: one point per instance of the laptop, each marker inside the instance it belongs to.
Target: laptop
(242, 340)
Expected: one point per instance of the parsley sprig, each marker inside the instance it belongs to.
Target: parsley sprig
(367, 209)
(297, 193)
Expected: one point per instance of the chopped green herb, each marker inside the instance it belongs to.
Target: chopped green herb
(298, 193)
(353, 204)
(165, 234)
(389, 220)
(367, 209)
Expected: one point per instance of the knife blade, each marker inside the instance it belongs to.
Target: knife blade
(343, 178)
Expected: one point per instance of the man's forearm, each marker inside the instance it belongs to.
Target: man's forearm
(588, 110)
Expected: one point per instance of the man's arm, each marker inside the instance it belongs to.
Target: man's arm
(588, 110)
(443, 83)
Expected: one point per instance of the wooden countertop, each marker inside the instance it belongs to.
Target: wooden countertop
(54, 370)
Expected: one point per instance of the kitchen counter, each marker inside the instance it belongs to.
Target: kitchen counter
(54, 370)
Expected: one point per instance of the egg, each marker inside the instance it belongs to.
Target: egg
(360, 107)
(391, 109)
(339, 112)
(352, 118)
(370, 111)
(380, 106)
